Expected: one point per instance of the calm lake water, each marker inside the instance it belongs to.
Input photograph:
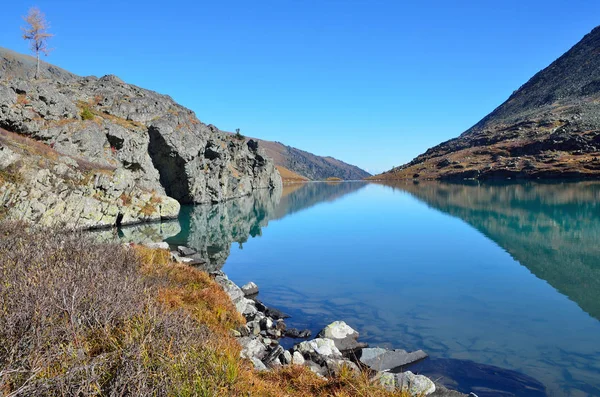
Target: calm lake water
(505, 275)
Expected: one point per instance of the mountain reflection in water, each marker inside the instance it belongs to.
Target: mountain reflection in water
(211, 229)
(552, 229)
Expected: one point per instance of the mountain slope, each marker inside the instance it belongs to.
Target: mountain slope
(15, 65)
(290, 176)
(309, 165)
(91, 152)
(548, 128)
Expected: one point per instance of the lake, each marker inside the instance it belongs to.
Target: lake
(497, 274)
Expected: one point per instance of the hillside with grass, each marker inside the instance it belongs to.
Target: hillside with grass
(548, 128)
(290, 176)
(311, 166)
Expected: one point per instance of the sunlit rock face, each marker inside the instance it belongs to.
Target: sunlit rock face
(125, 143)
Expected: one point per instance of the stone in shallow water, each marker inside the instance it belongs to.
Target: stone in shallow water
(483, 380)
(379, 359)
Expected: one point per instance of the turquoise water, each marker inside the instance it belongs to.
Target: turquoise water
(505, 275)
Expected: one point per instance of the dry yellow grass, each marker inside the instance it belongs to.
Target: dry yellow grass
(103, 319)
(197, 293)
(290, 176)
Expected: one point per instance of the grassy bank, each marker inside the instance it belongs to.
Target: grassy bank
(81, 318)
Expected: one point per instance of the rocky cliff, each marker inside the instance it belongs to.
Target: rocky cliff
(90, 152)
(548, 128)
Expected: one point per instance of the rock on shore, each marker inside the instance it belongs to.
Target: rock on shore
(336, 346)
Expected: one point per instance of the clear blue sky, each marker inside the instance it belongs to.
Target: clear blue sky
(373, 83)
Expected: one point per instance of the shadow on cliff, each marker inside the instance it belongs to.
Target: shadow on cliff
(553, 229)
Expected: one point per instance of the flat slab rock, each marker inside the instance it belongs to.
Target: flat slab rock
(379, 359)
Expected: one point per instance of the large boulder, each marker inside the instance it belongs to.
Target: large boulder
(250, 289)
(416, 385)
(318, 350)
(252, 348)
(344, 337)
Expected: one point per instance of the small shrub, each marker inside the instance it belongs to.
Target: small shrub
(148, 209)
(156, 199)
(125, 198)
(238, 135)
(86, 114)
(22, 99)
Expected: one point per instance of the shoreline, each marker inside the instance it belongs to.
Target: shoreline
(390, 367)
(335, 347)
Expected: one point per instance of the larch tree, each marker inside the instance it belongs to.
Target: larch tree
(36, 32)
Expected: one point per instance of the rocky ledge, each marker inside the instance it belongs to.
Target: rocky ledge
(90, 152)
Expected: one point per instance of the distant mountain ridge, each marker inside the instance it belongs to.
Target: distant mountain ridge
(548, 128)
(310, 165)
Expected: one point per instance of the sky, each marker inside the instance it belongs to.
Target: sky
(373, 83)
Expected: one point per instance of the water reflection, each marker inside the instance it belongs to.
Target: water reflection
(552, 229)
(211, 229)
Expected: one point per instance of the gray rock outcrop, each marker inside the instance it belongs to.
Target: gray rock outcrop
(132, 141)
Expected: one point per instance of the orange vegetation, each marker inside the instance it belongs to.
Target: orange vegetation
(290, 176)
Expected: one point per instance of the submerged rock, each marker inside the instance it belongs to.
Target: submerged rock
(483, 380)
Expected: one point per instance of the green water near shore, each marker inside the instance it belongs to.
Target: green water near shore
(501, 274)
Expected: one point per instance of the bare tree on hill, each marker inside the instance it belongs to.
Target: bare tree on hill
(36, 32)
